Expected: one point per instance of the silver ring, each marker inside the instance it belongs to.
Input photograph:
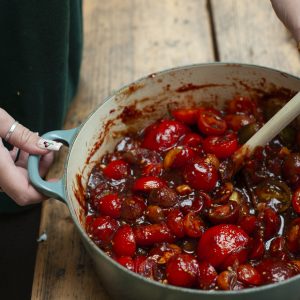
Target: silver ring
(10, 131)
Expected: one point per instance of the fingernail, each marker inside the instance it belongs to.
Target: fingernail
(48, 144)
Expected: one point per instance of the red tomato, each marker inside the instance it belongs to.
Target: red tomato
(179, 157)
(201, 175)
(296, 201)
(270, 222)
(110, 205)
(147, 183)
(145, 266)
(182, 270)
(256, 249)
(207, 276)
(163, 252)
(220, 243)
(187, 116)
(248, 275)
(210, 123)
(175, 222)
(224, 214)
(221, 146)
(193, 225)
(249, 224)
(242, 104)
(123, 243)
(152, 170)
(278, 248)
(103, 228)
(273, 270)
(191, 140)
(126, 261)
(236, 121)
(147, 235)
(116, 169)
(164, 135)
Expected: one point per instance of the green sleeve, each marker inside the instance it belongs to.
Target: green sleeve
(40, 53)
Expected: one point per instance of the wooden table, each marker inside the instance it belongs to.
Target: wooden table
(127, 39)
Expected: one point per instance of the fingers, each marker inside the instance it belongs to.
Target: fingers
(15, 183)
(288, 12)
(21, 137)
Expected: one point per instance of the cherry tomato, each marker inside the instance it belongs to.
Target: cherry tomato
(191, 140)
(220, 243)
(248, 275)
(270, 222)
(147, 235)
(103, 228)
(182, 270)
(224, 214)
(296, 201)
(274, 270)
(201, 175)
(123, 242)
(147, 183)
(126, 261)
(249, 224)
(243, 105)
(163, 252)
(256, 249)
(178, 157)
(152, 170)
(193, 225)
(164, 135)
(145, 266)
(236, 121)
(187, 116)
(221, 146)
(207, 276)
(175, 222)
(210, 123)
(110, 205)
(116, 169)
(278, 248)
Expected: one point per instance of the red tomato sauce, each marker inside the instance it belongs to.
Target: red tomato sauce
(167, 205)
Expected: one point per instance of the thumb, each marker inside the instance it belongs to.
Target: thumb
(20, 136)
(288, 12)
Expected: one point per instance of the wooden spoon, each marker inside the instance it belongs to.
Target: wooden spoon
(273, 127)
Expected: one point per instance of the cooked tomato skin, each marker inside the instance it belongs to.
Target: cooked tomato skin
(211, 123)
(201, 175)
(221, 146)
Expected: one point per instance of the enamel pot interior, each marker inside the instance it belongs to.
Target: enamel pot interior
(133, 108)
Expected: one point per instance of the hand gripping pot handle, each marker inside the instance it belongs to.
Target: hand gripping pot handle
(50, 189)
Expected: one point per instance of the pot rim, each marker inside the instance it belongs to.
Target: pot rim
(112, 261)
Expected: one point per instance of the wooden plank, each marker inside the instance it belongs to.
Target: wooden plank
(123, 41)
(250, 32)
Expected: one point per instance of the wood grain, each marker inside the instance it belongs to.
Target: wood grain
(123, 40)
(250, 32)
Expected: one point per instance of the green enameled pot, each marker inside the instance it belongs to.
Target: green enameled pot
(131, 108)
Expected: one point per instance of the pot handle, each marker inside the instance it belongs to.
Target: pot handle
(50, 189)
